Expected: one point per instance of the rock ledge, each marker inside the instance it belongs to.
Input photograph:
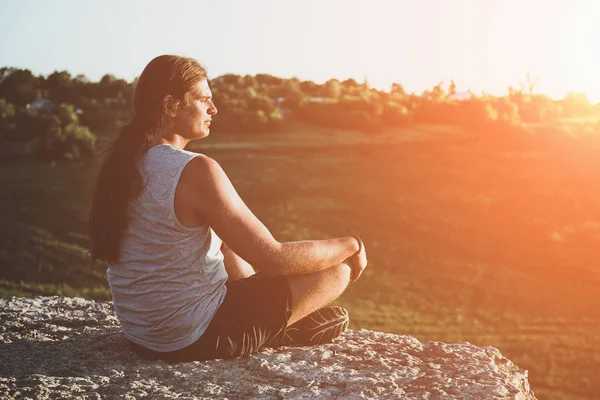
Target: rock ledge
(58, 347)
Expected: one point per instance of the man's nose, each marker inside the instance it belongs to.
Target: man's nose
(212, 109)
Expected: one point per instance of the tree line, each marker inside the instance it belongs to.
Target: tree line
(60, 117)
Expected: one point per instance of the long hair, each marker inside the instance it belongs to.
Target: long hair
(119, 180)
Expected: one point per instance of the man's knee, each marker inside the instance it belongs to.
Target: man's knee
(331, 281)
(337, 279)
(342, 274)
(313, 291)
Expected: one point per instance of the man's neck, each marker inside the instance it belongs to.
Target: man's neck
(173, 140)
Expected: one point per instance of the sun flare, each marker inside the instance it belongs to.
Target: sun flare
(583, 61)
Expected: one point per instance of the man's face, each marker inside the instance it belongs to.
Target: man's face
(194, 120)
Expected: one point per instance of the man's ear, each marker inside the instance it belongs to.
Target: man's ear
(169, 105)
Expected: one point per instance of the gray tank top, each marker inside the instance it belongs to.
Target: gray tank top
(170, 278)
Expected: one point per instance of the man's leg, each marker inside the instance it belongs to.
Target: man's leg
(313, 291)
(312, 321)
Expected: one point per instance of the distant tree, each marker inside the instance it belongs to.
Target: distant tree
(310, 88)
(20, 87)
(332, 89)
(349, 83)
(268, 80)
(82, 92)
(248, 81)
(5, 72)
(530, 83)
(289, 93)
(112, 87)
(437, 93)
(398, 88)
(576, 105)
(283, 90)
(232, 79)
(59, 87)
(452, 89)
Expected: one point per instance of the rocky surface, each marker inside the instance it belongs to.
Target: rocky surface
(56, 347)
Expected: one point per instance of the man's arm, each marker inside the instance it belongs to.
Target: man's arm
(208, 191)
(236, 266)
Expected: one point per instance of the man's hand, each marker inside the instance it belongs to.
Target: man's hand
(358, 262)
(236, 266)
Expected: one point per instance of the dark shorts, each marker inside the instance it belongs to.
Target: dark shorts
(255, 311)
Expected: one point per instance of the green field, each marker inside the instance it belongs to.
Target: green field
(470, 237)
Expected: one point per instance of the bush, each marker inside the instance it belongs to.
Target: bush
(55, 136)
(7, 118)
(66, 114)
(28, 127)
(245, 120)
(342, 115)
(395, 114)
(72, 143)
(98, 120)
(260, 103)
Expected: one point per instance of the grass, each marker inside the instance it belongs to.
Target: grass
(470, 237)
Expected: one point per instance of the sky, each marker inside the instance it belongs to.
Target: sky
(483, 45)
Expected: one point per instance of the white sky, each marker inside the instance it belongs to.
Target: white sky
(481, 44)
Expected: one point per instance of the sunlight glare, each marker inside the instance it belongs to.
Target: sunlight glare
(584, 59)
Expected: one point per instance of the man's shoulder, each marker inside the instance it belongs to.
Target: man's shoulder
(200, 173)
(201, 164)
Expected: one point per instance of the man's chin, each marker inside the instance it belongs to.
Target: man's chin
(204, 133)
